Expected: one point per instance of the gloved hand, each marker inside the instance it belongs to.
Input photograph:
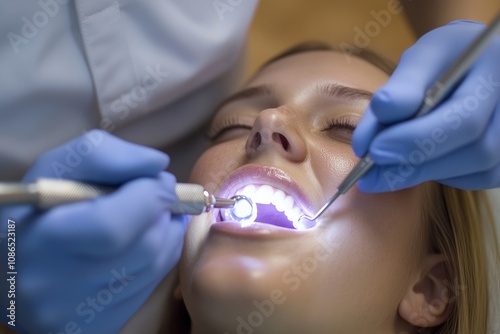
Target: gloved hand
(91, 265)
(457, 143)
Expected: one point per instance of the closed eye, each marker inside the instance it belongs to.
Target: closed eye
(340, 129)
(229, 128)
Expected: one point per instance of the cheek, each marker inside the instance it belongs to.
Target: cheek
(331, 162)
(391, 219)
(339, 160)
(387, 216)
(376, 232)
(371, 242)
(380, 234)
(215, 164)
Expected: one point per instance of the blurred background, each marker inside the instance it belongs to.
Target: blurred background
(280, 24)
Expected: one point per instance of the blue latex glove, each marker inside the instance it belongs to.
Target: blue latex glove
(458, 143)
(89, 266)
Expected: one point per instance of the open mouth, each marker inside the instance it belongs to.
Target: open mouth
(274, 206)
(277, 201)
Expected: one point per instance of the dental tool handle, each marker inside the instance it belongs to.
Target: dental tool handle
(361, 168)
(434, 95)
(47, 193)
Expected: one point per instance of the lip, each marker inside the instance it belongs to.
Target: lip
(260, 175)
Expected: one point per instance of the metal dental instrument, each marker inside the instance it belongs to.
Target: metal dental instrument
(433, 97)
(47, 193)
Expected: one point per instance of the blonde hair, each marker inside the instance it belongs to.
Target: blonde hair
(462, 228)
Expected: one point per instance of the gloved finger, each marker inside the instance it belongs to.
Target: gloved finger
(98, 157)
(21, 214)
(109, 224)
(147, 263)
(419, 67)
(159, 247)
(483, 180)
(145, 269)
(164, 246)
(171, 241)
(388, 178)
(461, 120)
(367, 128)
(481, 156)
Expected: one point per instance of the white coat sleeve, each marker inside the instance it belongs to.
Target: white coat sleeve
(148, 71)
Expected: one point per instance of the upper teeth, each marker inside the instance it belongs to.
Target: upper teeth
(266, 194)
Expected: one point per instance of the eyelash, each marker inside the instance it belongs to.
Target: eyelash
(227, 124)
(342, 123)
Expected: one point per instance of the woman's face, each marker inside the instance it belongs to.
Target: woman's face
(287, 133)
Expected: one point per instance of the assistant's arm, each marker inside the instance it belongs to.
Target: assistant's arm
(425, 15)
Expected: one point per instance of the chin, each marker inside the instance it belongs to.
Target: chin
(228, 275)
(230, 281)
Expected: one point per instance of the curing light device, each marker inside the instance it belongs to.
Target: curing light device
(244, 211)
(193, 198)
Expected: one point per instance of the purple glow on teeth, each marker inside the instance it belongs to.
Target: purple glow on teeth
(273, 206)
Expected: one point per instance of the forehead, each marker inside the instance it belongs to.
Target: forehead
(301, 69)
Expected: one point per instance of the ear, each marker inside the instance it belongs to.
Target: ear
(427, 302)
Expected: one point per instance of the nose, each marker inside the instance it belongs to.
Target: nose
(275, 130)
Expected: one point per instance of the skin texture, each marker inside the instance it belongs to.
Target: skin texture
(348, 274)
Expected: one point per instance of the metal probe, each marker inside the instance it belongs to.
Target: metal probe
(47, 193)
(433, 97)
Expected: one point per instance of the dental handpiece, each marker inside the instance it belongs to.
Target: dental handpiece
(434, 95)
(48, 193)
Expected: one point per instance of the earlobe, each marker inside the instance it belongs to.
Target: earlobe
(427, 302)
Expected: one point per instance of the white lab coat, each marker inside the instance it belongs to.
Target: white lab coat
(148, 71)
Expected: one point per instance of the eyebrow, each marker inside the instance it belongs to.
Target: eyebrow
(328, 89)
(343, 92)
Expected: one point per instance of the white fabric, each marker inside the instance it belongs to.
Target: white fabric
(143, 70)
